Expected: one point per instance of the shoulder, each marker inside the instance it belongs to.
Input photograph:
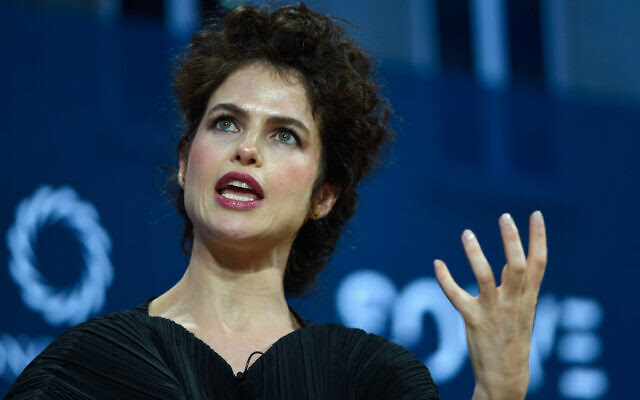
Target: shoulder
(379, 350)
(120, 331)
(381, 368)
(90, 358)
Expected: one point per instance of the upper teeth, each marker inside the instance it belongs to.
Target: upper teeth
(239, 184)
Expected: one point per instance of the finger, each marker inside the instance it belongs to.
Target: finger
(456, 295)
(537, 255)
(516, 261)
(480, 266)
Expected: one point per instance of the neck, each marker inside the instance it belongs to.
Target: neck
(229, 290)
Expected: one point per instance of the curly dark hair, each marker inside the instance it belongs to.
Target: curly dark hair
(353, 116)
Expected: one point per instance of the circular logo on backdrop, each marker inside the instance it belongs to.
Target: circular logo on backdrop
(58, 306)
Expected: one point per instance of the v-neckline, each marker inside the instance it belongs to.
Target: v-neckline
(304, 323)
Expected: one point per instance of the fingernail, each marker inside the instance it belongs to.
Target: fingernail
(467, 235)
(537, 217)
(506, 219)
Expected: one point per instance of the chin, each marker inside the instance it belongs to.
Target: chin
(233, 229)
(246, 228)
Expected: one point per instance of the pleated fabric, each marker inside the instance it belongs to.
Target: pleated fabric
(130, 355)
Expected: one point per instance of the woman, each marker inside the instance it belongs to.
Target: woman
(282, 121)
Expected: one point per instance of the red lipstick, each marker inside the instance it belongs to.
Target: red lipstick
(238, 191)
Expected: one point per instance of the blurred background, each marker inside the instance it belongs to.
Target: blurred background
(501, 105)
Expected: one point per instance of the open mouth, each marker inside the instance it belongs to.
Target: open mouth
(240, 191)
(236, 190)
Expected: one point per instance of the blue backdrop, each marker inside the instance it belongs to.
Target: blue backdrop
(86, 118)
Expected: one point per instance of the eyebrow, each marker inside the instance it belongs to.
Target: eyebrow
(276, 119)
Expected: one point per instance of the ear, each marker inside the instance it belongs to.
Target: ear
(182, 170)
(324, 201)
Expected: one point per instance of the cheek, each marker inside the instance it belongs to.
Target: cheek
(201, 159)
(299, 180)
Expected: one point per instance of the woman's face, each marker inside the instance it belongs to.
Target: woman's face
(254, 160)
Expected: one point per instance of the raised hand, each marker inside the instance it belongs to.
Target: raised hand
(499, 321)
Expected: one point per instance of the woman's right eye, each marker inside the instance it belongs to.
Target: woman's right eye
(225, 124)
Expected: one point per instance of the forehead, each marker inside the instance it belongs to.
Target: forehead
(261, 89)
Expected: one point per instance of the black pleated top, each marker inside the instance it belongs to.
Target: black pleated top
(130, 355)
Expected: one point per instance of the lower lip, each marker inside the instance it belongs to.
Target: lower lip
(237, 204)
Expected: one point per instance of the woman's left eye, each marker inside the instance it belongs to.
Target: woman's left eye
(287, 136)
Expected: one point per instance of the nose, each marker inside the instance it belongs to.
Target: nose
(247, 152)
